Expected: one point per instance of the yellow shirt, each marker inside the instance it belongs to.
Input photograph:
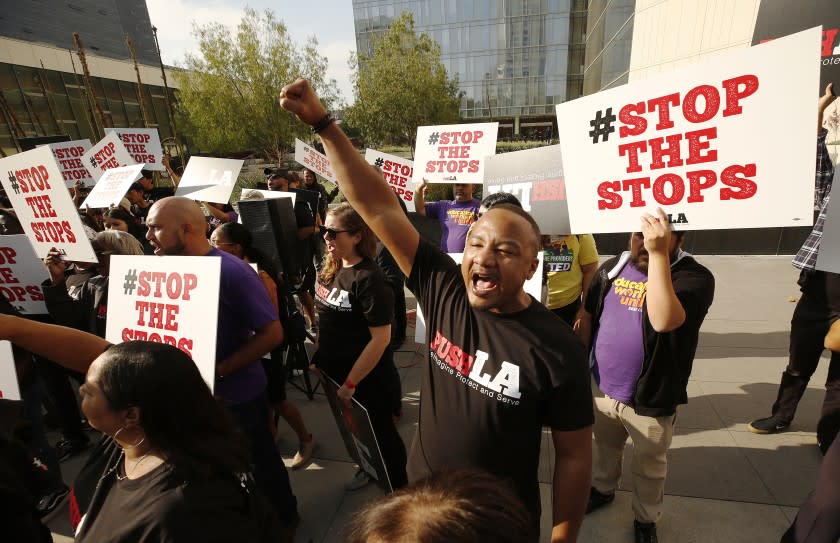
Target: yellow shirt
(563, 257)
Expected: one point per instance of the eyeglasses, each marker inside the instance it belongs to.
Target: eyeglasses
(215, 243)
(331, 233)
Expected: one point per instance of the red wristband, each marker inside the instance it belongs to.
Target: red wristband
(349, 384)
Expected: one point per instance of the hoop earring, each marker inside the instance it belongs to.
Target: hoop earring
(142, 439)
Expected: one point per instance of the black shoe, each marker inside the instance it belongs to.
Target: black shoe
(66, 448)
(769, 425)
(645, 532)
(597, 500)
(52, 501)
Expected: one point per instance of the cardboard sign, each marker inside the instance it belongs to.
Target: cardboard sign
(778, 18)
(9, 388)
(535, 176)
(533, 286)
(43, 205)
(167, 299)
(108, 153)
(112, 186)
(269, 194)
(69, 155)
(21, 275)
(143, 144)
(208, 179)
(309, 157)
(828, 257)
(453, 153)
(703, 143)
(397, 171)
(357, 433)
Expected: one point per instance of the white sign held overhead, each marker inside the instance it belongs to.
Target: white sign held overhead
(112, 186)
(311, 158)
(70, 155)
(21, 275)
(704, 143)
(109, 152)
(397, 171)
(453, 153)
(209, 179)
(143, 144)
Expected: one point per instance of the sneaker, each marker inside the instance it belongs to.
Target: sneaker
(645, 532)
(770, 425)
(360, 480)
(49, 503)
(66, 448)
(304, 453)
(597, 500)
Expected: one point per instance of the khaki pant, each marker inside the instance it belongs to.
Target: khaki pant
(651, 437)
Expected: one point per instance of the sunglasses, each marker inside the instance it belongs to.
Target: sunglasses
(331, 233)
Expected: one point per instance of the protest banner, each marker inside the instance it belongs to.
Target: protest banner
(828, 257)
(397, 171)
(167, 299)
(535, 176)
(209, 179)
(311, 158)
(112, 186)
(453, 153)
(724, 144)
(69, 155)
(357, 433)
(143, 144)
(21, 275)
(43, 205)
(778, 18)
(533, 286)
(109, 152)
(268, 194)
(9, 388)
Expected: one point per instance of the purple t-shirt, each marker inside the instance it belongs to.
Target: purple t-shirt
(455, 219)
(619, 345)
(244, 306)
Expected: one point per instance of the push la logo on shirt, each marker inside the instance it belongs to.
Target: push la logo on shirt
(469, 369)
(337, 298)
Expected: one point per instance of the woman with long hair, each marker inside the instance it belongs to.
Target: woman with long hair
(171, 466)
(355, 306)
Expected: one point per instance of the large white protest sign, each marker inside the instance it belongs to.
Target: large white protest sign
(21, 275)
(69, 155)
(267, 194)
(167, 299)
(209, 179)
(9, 388)
(453, 153)
(143, 144)
(109, 152)
(316, 161)
(828, 257)
(34, 185)
(724, 144)
(397, 171)
(535, 177)
(112, 186)
(533, 286)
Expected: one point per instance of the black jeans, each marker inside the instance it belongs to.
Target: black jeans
(818, 520)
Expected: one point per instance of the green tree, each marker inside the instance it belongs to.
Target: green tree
(229, 91)
(400, 85)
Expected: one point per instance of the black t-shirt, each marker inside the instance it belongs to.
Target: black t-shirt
(157, 507)
(357, 298)
(304, 217)
(492, 381)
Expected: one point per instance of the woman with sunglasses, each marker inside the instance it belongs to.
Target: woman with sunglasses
(355, 306)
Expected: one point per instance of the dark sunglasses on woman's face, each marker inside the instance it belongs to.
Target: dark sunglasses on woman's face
(330, 233)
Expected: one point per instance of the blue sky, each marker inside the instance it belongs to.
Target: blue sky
(331, 21)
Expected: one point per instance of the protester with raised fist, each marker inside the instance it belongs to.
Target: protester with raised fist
(455, 216)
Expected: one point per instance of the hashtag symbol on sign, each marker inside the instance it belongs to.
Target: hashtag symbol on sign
(379, 162)
(14, 183)
(92, 161)
(433, 138)
(602, 125)
(130, 282)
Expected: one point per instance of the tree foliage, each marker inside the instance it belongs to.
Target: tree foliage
(400, 85)
(229, 91)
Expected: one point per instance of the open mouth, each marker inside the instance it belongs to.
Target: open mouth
(483, 285)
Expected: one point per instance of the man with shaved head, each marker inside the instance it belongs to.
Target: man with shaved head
(248, 327)
(500, 365)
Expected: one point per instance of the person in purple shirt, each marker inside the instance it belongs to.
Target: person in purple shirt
(455, 216)
(247, 328)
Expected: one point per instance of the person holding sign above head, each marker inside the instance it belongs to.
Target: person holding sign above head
(455, 216)
(171, 466)
(499, 364)
(248, 327)
(356, 305)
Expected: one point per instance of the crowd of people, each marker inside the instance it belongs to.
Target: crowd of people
(605, 355)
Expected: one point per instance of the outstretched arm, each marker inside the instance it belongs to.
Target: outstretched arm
(572, 470)
(362, 185)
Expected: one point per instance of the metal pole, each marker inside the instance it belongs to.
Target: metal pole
(88, 83)
(166, 89)
(140, 96)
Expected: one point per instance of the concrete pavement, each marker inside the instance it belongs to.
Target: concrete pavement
(724, 483)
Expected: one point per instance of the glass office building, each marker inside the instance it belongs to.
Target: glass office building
(514, 59)
(609, 38)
